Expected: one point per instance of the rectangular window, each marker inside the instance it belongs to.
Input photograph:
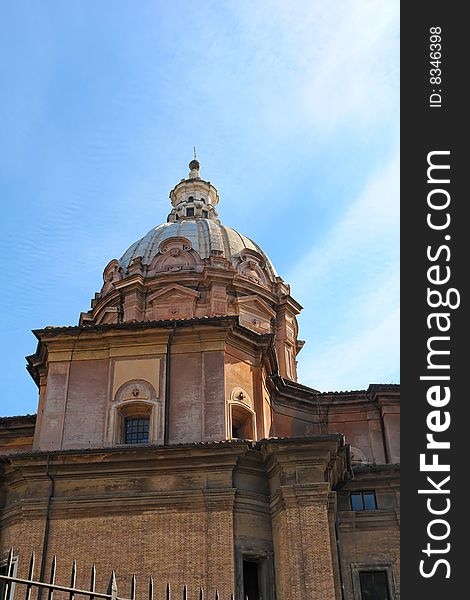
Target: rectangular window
(205, 214)
(136, 431)
(374, 585)
(363, 500)
(190, 212)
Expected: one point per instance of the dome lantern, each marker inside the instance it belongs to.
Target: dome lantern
(193, 198)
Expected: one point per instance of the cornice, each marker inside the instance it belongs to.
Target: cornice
(293, 496)
(200, 500)
(368, 519)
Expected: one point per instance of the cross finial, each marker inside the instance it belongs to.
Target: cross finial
(194, 152)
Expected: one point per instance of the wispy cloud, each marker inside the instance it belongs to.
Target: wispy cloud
(334, 63)
(368, 357)
(348, 283)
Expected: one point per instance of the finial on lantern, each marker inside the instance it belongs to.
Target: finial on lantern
(194, 167)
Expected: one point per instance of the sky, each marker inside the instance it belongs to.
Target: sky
(293, 108)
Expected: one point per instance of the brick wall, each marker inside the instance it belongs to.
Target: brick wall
(176, 546)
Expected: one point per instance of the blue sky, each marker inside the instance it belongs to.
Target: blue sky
(293, 107)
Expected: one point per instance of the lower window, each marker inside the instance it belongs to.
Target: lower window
(136, 430)
(374, 585)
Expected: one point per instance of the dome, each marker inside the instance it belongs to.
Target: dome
(192, 266)
(208, 237)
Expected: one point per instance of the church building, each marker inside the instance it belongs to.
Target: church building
(173, 440)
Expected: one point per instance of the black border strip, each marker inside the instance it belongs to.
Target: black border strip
(432, 124)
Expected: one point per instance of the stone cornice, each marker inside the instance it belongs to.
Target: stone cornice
(122, 339)
(368, 519)
(294, 496)
(201, 500)
(292, 395)
(307, 461)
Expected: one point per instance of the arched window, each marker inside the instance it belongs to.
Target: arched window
(133, 423)
(242, 422)
(135, 416)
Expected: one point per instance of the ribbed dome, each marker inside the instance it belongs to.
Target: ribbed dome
(205, 236)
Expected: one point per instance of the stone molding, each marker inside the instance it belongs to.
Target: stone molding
(298, 495)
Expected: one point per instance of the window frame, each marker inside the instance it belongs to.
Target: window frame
(357, 568)
(265, 563)
(362, 492)
(243, 418)
(127, 433)
(135, 398)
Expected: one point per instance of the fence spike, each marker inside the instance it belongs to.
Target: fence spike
(112, 586)
(133, 586)
(150, 595)
(168, 592)
(92, 581)
(32, 561)
(27, 595)
(92, 577)
(201, 594)
(185, 592)
(53, 569)
(52, 577)
(9, 567)
(217, 597)
(73, 580)
(9, 572)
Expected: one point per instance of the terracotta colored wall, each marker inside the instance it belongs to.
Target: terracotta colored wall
(360, 422)
(49, 435)
(86, 404)
(213, 395)
(364, 434)
(80, 394)
(392, 436)
(370, 537)
(239, 373)
(370, 545)
(197, 407)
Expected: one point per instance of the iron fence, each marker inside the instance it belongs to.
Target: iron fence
(8, 583)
